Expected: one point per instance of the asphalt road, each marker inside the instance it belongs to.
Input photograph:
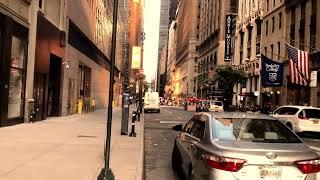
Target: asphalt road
(159, 139)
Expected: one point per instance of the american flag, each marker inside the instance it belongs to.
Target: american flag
(299, 65)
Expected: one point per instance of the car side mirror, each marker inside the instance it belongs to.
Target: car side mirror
(177, 127)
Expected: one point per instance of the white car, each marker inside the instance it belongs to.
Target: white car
(216, 106)
(151, 102)
(299, 118)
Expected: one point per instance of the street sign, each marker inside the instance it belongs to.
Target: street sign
(313, 79)
(136, 57)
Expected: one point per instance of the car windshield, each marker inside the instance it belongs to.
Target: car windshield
(253, 130)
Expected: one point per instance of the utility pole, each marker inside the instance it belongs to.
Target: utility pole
(106, 173)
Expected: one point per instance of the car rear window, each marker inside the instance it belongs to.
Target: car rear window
(313, 113)
(286, 111)
(253, 130)
(216, 103)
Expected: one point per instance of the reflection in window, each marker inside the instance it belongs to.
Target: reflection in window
(16, 78)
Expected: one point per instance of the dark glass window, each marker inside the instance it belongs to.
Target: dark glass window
(279, 50)
(280, 20)
(286, 111)
(198, 129)
(267, 24)
(272, 24)
(312, 113)
(271, 51)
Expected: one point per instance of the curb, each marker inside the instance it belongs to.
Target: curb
(140, 168)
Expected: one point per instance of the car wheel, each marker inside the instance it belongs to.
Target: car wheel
(145, 111)
(289, 125)
(176, 161)
(159, 111)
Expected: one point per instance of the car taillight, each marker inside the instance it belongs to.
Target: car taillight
(224, 163)
(309, 166)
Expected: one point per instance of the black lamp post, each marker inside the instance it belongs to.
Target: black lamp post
(106, 173)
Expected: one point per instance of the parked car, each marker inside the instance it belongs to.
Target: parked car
(152, 102)
(299, 118)
(216, 106)
(202, 106)
(241, 146)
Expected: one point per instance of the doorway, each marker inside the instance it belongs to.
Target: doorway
(54, 86)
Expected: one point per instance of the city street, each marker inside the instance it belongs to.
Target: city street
(159, 138)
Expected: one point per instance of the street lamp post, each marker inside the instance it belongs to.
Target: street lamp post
(106, 173)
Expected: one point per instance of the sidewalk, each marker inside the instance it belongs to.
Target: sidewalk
(69, 148)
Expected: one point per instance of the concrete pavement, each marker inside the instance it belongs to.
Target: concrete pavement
(69, 148)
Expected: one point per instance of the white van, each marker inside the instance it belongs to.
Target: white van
(151, 102)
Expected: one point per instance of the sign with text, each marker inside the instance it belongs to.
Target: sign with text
(313, 82)
(136, 57)
(228, 38)
(272, 72)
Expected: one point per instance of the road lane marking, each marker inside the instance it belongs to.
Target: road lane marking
(315, 148)
(171, 122)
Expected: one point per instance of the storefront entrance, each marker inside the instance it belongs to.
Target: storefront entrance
(13, 60)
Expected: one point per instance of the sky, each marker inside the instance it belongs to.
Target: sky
(151, 42)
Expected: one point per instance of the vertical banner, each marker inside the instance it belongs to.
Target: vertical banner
(272, 72)
(227, 51)
(136, 57)
(313, 78)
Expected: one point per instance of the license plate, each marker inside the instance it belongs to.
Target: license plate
(270, 172)
(315, 122)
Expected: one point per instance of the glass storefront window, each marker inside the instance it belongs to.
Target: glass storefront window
(16, 78)
(17, 53)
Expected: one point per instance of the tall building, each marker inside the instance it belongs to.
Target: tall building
(163, 35)
(248, 42)
(211, 36)
(186, 57)
(172, 45)
(173, 10)
(135, 9)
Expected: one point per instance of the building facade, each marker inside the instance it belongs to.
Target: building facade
(211, 36)
(186, 54)
(172, 45)
(55, 52)
(248, 43)
(163, 38)
(265, 28)
(17, 43)
(302, 31)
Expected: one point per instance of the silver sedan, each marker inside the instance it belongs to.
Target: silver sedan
(236, 146)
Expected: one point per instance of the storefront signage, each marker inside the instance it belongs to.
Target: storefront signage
(228, 38)
(136, 57)
(313, 79)
(272, 72)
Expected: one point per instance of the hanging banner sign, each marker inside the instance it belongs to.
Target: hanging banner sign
(136, 57)
(272, 72)
(228, 38)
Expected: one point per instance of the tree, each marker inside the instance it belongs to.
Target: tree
(226, 77)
